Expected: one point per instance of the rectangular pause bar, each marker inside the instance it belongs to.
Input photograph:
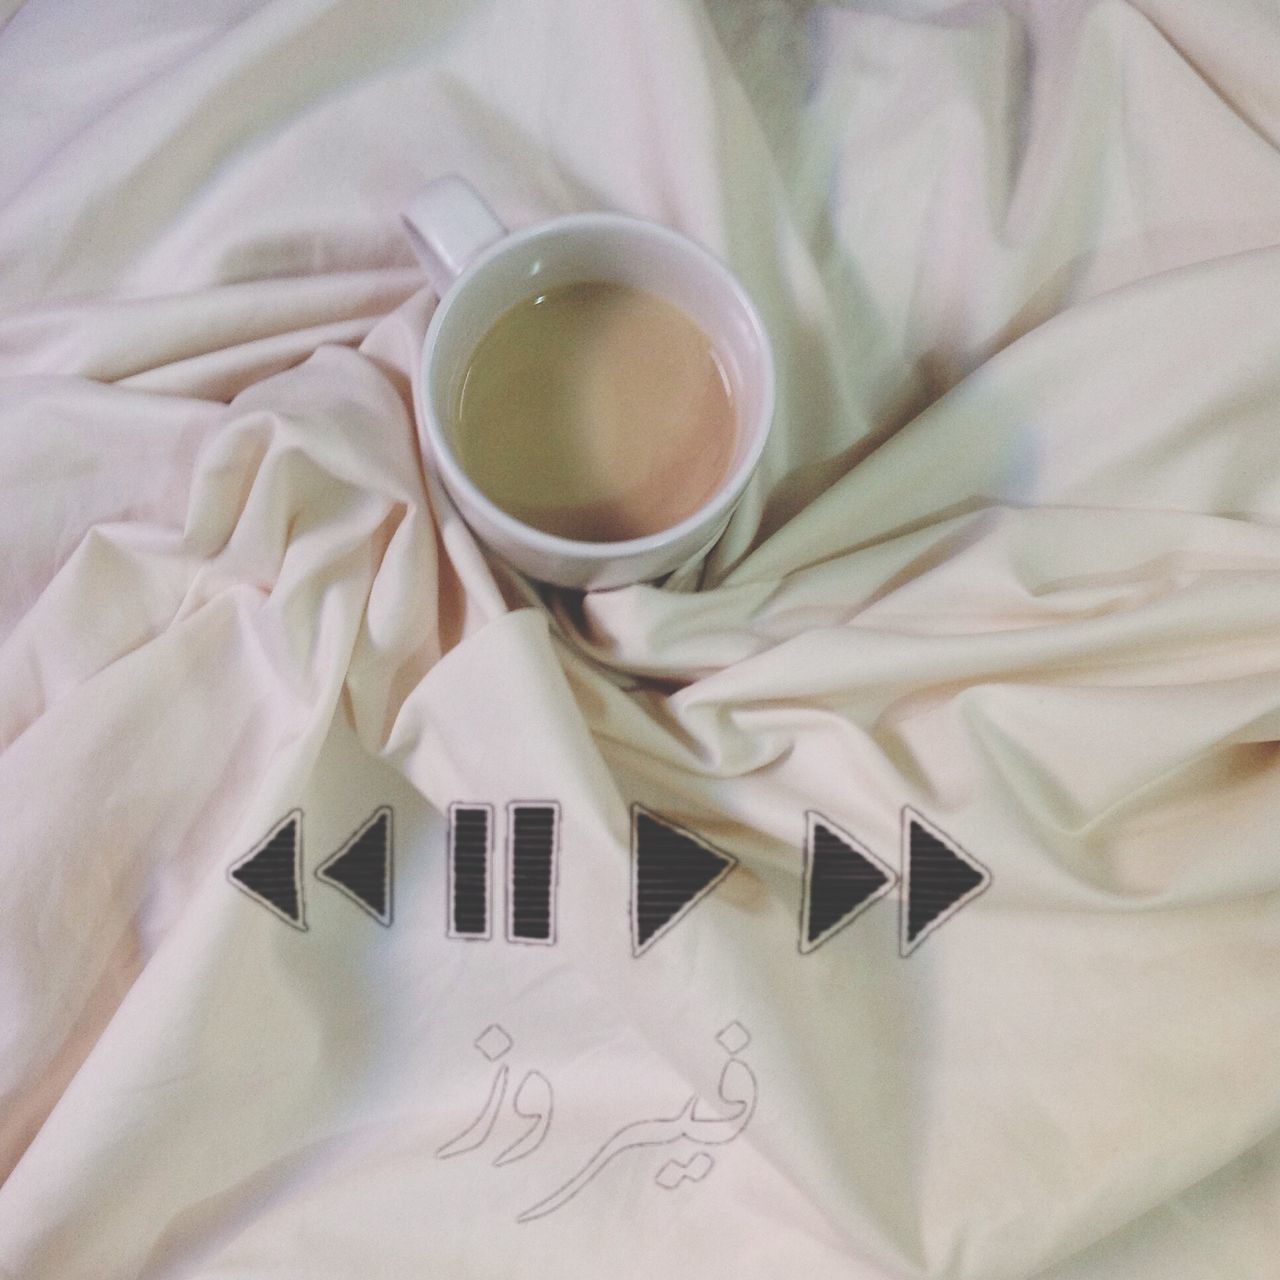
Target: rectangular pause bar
(533, 831)
(470, 843)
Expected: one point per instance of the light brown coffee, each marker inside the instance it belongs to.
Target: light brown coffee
(595, 411)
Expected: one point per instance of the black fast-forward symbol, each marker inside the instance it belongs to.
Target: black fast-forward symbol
(842, 878)
(938, 878)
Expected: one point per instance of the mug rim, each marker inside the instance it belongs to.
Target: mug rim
(735, 481)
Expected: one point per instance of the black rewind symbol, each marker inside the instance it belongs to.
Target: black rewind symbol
(361, 868)
(533, 849)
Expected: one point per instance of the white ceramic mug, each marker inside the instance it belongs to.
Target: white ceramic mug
(481, 270)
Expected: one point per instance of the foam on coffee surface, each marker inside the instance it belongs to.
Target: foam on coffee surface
(595, 411)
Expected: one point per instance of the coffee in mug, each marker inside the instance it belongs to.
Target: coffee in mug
(596, 411)
(594, 391)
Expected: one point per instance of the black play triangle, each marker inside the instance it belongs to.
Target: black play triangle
(841, 880)
(939, 878)
(671, 870)
(362, 867)
(271, 872)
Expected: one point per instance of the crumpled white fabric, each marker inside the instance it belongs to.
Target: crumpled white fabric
(1012, 562)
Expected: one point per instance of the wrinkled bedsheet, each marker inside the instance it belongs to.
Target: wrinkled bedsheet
(956, 757)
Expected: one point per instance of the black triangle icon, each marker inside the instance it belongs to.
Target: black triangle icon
(362, 866)
(671, 870)
(938, 879)
(841, 880)
(271, 872)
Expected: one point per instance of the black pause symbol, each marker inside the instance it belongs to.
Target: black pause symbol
(470, 841)
(532, 857)
(531, 843)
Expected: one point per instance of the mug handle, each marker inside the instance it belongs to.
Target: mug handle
(448, 224)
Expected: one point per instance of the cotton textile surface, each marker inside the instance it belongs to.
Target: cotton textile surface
(1011, 564)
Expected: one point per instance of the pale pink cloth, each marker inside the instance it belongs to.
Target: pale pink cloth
(1012, 559)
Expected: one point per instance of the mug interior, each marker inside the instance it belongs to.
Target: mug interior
(608, 248)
